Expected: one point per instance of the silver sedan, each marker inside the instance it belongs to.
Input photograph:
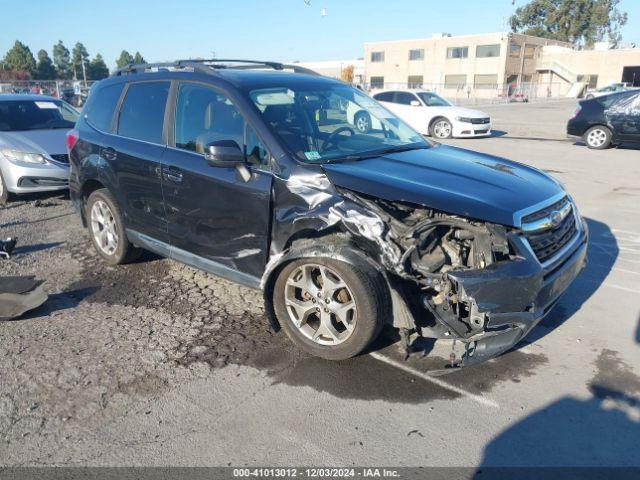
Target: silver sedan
(33, 153)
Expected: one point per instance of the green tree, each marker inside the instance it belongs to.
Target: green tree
(45, 69)
(97, 69)
(124, 59)
(138, 59)
(20, 58)
(78, 57)
(581, 22)
(62, 60)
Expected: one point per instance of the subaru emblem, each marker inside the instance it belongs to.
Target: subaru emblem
(556, 218)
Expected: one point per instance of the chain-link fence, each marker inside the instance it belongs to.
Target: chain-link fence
(466, 94)
(71, 91)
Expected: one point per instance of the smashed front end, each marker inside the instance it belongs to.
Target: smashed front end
(483, 284)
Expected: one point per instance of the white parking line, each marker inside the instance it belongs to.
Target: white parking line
(416, 373)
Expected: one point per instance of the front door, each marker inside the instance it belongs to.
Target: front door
(215, 215)
(136, 155)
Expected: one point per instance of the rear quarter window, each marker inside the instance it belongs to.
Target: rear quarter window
(142, 112)
(101, 106)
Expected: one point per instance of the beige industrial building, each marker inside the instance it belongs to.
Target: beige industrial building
(494, 65)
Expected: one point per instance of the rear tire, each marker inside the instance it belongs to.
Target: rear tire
(5, 196)
(106, 229)
(598, 137)
(307, 306)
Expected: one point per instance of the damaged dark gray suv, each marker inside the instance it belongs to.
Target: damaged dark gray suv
(253, 172)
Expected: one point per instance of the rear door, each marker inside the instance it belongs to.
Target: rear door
(212, 212)
(135, 153)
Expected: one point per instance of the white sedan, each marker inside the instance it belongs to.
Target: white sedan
(426, 112)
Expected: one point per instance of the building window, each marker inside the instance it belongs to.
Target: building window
(377, 82)
(529, 51)
(488, 51)
(590, 80)
(377, 56)
(455, 81)
(415, 81)
(416, 54)
(514, 50)
(485, 81)
(458, 52)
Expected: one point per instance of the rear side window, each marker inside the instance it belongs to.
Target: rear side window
(100, 108)
(142, 112)
(384, 97)
(404, 98)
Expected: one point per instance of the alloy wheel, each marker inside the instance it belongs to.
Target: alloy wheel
(597, 138)
(103, 227)
(442, 129)
(362, 123)
(320, 304)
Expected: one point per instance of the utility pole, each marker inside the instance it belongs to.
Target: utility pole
(84, 72)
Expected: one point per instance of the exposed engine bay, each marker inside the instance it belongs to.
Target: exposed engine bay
(430, 246)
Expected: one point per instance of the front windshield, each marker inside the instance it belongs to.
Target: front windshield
(433, 100)
(333, 122)
(21, 115)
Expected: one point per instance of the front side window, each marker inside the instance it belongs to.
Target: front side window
(488, 51)
(377, 56)
(318, 123)
(21, 115)
(458, 52)
(433, 100)
(256, 152)
(142, 112)
(205, 116)
(416, 54)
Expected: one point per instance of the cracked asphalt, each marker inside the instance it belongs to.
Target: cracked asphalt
(155, 363)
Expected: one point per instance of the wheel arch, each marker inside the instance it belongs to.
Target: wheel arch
(335, 244)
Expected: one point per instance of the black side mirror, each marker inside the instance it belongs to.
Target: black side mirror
(224, 153)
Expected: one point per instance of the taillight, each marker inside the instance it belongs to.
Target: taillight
(575, 114)
(72, 139)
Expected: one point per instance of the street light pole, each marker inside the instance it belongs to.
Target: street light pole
(84, 73)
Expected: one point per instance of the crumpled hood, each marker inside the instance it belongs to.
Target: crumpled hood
(51, 141)
(449, 179)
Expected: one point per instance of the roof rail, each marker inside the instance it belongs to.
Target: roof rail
(211, 65)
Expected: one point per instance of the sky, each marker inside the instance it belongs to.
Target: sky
(280, 30)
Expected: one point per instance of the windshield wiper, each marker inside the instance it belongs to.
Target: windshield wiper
(385, 151)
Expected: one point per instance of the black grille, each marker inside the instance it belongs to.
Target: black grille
(62, 158)
(480, 121)
(548, 242)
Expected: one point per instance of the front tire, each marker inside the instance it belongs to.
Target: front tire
(5, 196)
(106, 229)
(329, 308)
(362, 122)
(598, 138)
(441, 128)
